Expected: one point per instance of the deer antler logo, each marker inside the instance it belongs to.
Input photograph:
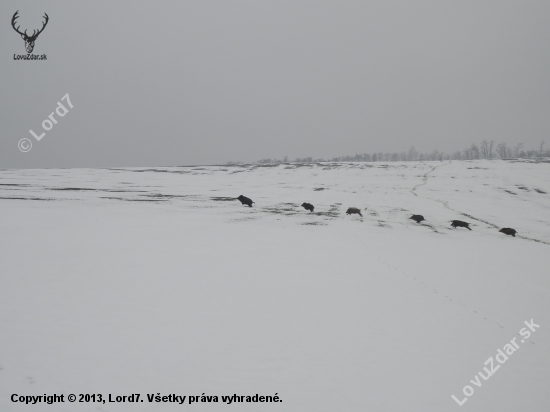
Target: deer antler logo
(29, 40)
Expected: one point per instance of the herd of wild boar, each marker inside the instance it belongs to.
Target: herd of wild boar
(417, 218)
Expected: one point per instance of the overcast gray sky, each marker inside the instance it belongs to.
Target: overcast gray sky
(199, 82)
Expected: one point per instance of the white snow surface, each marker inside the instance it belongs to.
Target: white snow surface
(156, 280)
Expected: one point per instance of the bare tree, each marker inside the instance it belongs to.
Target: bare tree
(413, 154)
(485, 149)
(474, 150)
(517, 149)
(502, 150)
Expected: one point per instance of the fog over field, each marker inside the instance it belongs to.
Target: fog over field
(174, 82)
(157, 280)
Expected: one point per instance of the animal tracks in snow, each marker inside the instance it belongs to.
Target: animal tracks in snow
(435, 291)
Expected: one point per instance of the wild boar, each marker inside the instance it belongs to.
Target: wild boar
(245, 200)
(460, 223)
(508, 231)
(353, 210)
(417, 218)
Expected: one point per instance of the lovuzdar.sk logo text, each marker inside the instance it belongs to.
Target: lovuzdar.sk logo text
(29, 39)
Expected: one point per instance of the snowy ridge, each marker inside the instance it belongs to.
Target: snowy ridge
(280, 190)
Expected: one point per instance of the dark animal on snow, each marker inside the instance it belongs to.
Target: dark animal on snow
(417, 218)
(460, 223)
(245, 200)
(353, 210)
(508, 231)
(308, 206)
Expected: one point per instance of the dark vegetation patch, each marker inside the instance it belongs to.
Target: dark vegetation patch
(512, 193)
(134, 200)
(283, 209)
(26, 198)
(168, 197)
(298, 165)
(540, 191)
(74, 189)
(245, 219)
(522, 187)
(314, 223)
(241, 165)
(223, 199)
(161, 196)
(534, 160)
(318, 189)
(160, 171)
(332, 212)
(266, 165)
(121, 191)
(83, 189)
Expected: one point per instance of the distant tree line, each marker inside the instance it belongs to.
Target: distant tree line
(485, 150)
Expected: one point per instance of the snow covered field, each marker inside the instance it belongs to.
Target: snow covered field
(155, 280)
